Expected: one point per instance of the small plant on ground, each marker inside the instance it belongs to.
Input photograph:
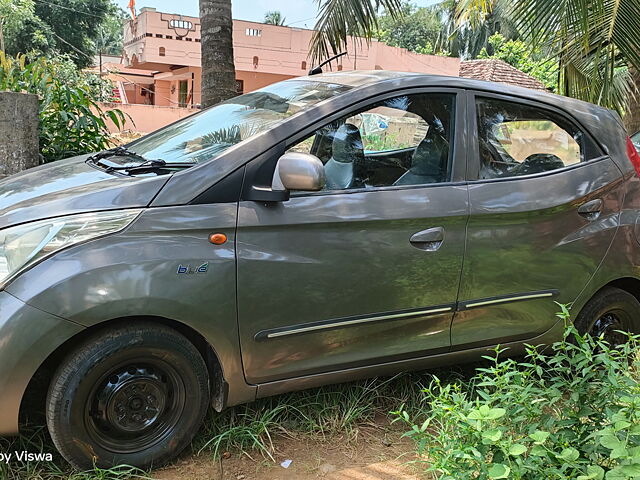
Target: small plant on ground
(571, 411)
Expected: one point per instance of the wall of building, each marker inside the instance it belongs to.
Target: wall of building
(167, 47)
(255, 80)
(147, 118)
(262, 53)
(19, 136)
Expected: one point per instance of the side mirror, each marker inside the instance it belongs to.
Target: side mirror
(299, 171)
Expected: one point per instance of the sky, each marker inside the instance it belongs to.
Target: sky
(298, 13)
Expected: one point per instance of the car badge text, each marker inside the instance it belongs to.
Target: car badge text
(188, 269)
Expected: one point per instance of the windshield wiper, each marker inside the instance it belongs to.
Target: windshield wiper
(144, 166)
(150, 166)
(115, 152)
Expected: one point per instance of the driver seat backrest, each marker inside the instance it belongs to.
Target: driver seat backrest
(345, 167)
(429, 161)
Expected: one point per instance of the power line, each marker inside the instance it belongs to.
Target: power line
(70, 9)
(299, 21)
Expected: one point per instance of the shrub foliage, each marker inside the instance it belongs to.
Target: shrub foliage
(571, 411)
(71, 119)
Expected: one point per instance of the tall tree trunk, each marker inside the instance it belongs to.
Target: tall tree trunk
(632, 118)
(218, 69)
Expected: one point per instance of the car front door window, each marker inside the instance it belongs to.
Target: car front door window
(404, 140)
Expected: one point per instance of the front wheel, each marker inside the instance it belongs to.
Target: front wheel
(134, 395)
(608, 313)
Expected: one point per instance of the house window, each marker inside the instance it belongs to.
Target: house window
(183, 94)
(255, 62)
(158, 35)
(239, 87)
(304, 65)
(253, 32)
(339, 68)
(180, 24)
(162, 52)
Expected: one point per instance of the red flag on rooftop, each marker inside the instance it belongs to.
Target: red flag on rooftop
(132, 7)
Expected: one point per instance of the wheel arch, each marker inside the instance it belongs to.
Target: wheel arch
(33, 399)
(628, 284)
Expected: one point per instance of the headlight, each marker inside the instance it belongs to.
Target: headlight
(24, 245)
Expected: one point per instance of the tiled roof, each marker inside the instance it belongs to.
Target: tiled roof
(494, 70)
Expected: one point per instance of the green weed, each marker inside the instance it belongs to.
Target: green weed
(571, 411)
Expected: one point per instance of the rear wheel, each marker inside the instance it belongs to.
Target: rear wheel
(134, 395)
(610, 311)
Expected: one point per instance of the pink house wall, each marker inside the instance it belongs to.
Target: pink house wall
(263, 54)
(147, 118)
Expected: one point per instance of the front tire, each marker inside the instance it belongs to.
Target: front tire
(609, 311)
(134, 395)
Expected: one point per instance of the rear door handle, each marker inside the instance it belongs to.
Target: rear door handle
(591, 210)
(428, 240)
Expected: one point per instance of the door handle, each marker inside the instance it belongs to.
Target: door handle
(591, 210)
(428, 240)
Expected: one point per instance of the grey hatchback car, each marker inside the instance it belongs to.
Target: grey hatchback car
(319, 230)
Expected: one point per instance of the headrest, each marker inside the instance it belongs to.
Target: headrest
(430, 155)
(347, 144)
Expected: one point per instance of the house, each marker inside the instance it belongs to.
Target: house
(166, 48)
(157, 78)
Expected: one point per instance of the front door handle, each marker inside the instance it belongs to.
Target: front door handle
(428, 240)
(591, 210)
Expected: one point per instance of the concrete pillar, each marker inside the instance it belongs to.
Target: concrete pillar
(18, 132)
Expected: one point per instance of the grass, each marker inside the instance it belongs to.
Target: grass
(251, 428)
(325, 411)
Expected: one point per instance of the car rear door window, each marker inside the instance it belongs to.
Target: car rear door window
(517, 139)
(405, 140)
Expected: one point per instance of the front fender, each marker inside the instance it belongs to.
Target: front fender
(152, 269)
(27, 337)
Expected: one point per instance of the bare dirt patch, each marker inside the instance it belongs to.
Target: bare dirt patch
(375, 451)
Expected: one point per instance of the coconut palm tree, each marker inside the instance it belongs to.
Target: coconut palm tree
(632, 116)
(218, 68)
(274, 18)
(595, 41)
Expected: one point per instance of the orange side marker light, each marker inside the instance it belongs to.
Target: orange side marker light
(217, 238)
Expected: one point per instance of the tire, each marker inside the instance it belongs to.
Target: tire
(134, 395)
(609, 310)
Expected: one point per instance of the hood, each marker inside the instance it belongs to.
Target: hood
(71, 186)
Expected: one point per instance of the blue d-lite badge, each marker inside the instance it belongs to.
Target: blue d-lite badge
(188, 269)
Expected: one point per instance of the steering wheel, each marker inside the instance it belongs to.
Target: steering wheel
(538, 163)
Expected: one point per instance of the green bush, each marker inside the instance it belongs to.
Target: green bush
(71, 119)
(571, 411)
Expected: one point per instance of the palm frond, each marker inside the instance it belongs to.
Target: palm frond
(339, 19)
(595, 40)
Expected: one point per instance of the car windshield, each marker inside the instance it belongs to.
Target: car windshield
(204, 136)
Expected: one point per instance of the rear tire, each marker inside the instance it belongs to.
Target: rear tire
(609, 310)
(134, 395)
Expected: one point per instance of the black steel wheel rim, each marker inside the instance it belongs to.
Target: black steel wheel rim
(135, 406)
(611, 327)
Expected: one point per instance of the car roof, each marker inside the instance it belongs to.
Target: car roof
(600, 121)
(359, 78)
